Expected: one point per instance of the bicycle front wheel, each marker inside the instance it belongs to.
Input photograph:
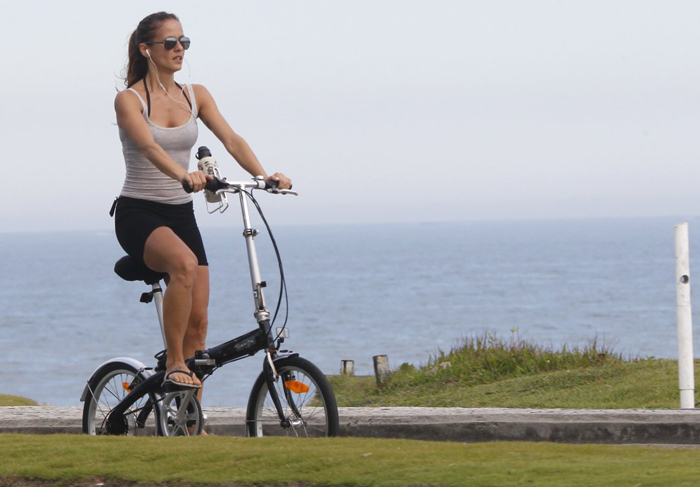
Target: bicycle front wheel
(106, 390)
(308, 402)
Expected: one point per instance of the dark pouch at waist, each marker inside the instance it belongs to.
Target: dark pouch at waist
(114, 206)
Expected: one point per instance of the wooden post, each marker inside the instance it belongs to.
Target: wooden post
(381, 369)
(347, 367)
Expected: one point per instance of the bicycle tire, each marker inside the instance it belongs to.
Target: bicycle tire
(105, 390)
(314, 399)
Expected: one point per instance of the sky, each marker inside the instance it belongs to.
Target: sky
(380, 111)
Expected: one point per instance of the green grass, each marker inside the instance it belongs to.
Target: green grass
(7, 400)
(69, 459)
(490, 372)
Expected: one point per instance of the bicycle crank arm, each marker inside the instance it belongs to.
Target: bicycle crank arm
(181, 416)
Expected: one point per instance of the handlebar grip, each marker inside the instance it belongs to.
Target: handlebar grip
(212, 185)
(273, 184)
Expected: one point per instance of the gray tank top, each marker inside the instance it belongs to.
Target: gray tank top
(143, 179)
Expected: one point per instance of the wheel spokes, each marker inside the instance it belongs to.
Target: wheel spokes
(297, 392)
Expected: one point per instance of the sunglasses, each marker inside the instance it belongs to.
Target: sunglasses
(170, 42)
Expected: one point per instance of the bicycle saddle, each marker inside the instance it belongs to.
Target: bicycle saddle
(131, 269)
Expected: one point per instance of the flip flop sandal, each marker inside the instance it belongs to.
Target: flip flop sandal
(169, 383)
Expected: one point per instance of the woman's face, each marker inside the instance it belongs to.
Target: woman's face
(168, 60)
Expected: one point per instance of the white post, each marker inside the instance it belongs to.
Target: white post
(381, 369)
(686, 374)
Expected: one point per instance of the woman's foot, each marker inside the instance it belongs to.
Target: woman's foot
(181, 377)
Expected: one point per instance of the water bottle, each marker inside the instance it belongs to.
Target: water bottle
(207, 164)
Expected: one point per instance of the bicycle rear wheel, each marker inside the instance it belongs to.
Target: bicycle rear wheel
(106, 390)
(307, 399)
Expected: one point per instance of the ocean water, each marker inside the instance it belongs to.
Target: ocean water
(355, 291)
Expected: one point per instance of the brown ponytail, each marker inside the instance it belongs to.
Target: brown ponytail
(137, 68)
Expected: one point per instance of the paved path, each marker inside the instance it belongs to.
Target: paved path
(626, 426)
(619, 426)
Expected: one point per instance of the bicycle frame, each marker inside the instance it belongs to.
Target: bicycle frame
(249, 343)
(206, 361)
(262, 315)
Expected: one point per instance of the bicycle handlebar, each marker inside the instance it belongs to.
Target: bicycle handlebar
(212, 185)
(217, 184)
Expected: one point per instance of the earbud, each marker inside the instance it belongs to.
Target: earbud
(149, 53)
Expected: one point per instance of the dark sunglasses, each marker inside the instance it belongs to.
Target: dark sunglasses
(170, 42)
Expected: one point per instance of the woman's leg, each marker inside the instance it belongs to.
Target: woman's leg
(196, 332)
(166, 252)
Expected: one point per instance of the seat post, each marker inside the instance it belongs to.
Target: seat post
(158, 299)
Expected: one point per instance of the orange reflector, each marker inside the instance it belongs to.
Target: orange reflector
(296, 386)
(126, 386)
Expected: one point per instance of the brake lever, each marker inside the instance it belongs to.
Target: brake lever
(282, 191)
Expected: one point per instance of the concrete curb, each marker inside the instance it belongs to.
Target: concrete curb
(613, 426)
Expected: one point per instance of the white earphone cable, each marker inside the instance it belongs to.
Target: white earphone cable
(184, 105)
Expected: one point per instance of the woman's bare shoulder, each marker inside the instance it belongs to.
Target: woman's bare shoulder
(127, 99)
(200, 91)
(127, 102)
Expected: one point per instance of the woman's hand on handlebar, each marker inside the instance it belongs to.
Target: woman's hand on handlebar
(283, 182)
(196, 180)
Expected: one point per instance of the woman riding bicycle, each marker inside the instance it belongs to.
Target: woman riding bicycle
(154, 218)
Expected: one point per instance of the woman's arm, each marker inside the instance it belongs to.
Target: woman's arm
(234, 143)
(130, 118)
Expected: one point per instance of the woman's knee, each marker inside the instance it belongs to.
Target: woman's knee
(166, 252)
(183, 269)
